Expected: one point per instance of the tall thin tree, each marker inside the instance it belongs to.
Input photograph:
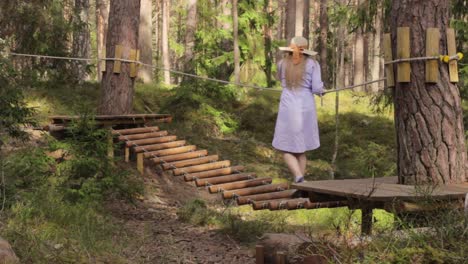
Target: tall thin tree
(102, 17)
(81, 39)
(145, 40)
(191, 27)
(165, 40)
(235, 27)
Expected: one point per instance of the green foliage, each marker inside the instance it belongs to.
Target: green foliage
(13, 111)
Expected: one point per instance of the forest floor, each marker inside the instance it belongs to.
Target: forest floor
(162, 237)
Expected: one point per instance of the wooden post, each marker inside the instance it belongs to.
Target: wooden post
(110, 145)
(403, 52)
(118, 55)
(366, 220)
(432, 49)
(280, 257)
(103, 62)
(127, 154)
(259, 254)
(388, 56)
(133, 65)
(140, 163)
(452, 50)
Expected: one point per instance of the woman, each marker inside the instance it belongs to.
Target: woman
(296, 128)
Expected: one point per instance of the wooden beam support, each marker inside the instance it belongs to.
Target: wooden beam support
(388, 56)
(403, 52)
(432, 49)
(127, 154)
(118, 55)
(452, 50)
(259, 254)
(140, 163)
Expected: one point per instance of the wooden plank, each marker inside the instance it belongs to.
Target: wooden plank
(183, 156)
(127, 154)
(170, 151)
(165, 145)
(225, 179)
(432, 49)
(388, 56)
(142, 136)
(452, 50)
(403, 52)
(138, 130)
(133, 66)
(203, 167)
(190, 162)
(239, 185)
(213, 173)
(118, 55)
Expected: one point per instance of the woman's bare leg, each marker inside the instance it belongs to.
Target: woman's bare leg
(293, 164)
(301, 157)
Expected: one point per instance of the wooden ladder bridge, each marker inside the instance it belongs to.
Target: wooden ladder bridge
(153, 146)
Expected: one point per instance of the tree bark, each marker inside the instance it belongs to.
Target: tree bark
(306, 21)
(290, 19)
(145, 73)
(102, 17)
(428, 117)
(165, 41)
(323, 39)
(190, 37)
(377, 60)
(117, 88)
(81, 40)
(267, 39)
(235, 26)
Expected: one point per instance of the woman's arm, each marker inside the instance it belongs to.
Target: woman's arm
(317, 83)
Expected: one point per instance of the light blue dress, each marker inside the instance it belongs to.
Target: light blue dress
(296, 128)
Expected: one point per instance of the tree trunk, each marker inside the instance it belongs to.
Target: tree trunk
(290, 20)
(145, 73)
(267, 40)
(117, 88)
(358, 59)
(102, 17)
(428, 117)
(323, 39)
(157, 38)
(235, 26)
(81, 40)
(190, 37)
(165, 41)
(305, 21)
(377, 61)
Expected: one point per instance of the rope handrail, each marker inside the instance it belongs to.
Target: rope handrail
(445, 58)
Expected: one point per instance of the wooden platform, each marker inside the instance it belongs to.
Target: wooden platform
(384, 189)
(129, 119)
(384, 193)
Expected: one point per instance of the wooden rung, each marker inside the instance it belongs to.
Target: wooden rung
(148, 141)
(213, 173)
(266, 196)
(316, 205)
(287, 204)
(190, 162)
(142, 136)
(170, 151)
(239, 185)
(263, 205)
(164, 145)
(137, 130)
(203, 167)
(256, 190)
(183, 156)
(225, 179)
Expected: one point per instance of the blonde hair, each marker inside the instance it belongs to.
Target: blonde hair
(294, 72)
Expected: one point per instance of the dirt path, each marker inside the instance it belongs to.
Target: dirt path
(165, 239)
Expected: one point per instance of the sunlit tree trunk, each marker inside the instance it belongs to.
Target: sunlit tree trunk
(377, 58)
(191, 27)
(145, 41)
(290, 19)
(81, 40)
(117, 88)
(235, 29)
(267, 40)
(428, 117)
(323, 39)
(102, 16)
(165, 40)
(359, 55)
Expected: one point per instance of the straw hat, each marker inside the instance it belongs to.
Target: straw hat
(299, 44)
